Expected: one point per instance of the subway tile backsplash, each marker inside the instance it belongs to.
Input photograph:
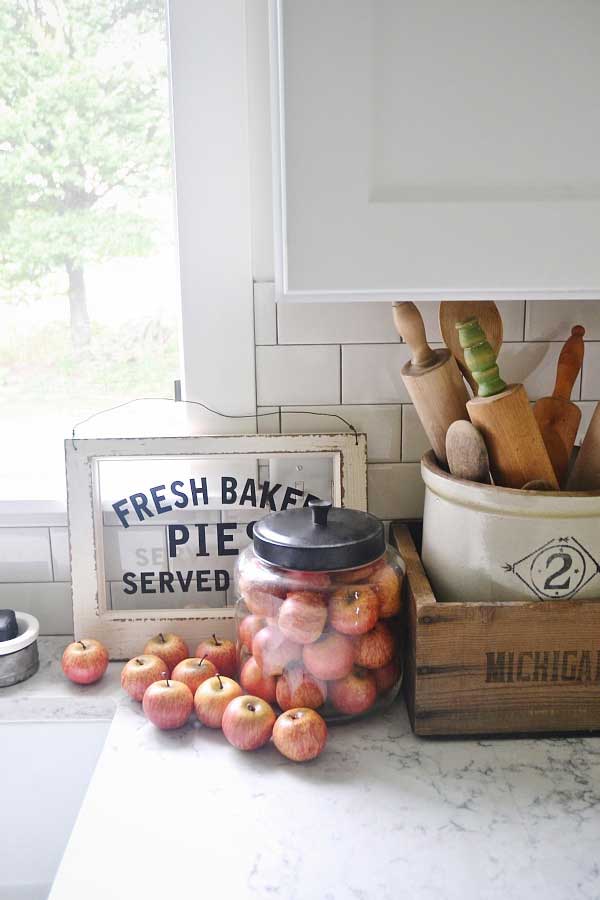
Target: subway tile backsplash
(335, 323)
(371, 373)
(297, 375)
(342, 359)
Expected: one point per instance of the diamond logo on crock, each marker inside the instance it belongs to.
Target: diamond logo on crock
(557, 570)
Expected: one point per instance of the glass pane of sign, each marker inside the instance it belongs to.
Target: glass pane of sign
(172, 527)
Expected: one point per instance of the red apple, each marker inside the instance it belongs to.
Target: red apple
(212, 698)
(330, 657)
(255, 682)
(387, 676)
(296, 580)
(354, 609)
(302, 616)
(376, 648)
(221, 653)
(193, 672)
(248, 722)
(263, 602)
(260, 589)
(140, 672)
(248, 627)
(273, 651)
(85, 661)
(297, 687)
(168, 647)
(356, 693)
(243, 655)
(387, 585)
(360, 575)
(168, 704)
(300, 734)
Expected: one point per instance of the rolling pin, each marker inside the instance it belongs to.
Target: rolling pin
(557, 416)
(433, 380)
(504, 417)
(585, 475)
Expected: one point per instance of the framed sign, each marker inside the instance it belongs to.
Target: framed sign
(156, 524)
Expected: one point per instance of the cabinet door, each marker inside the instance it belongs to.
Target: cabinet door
(430, 149)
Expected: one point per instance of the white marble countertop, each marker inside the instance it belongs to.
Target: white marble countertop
(381, 814)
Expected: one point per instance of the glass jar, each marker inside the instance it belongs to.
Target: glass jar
(318, 612)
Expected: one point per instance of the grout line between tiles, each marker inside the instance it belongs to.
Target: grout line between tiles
(51, 553)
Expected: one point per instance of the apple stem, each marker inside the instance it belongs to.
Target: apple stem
(139, 661)
(216, 640)
(202, 660)
(220, 682)
(162, 637)
(82, 644)
(167, 680)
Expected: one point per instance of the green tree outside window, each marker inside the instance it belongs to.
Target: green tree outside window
(84, 141)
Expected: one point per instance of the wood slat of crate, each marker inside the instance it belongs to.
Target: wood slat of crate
(483, 668)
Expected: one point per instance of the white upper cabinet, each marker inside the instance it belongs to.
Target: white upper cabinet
(429, 149)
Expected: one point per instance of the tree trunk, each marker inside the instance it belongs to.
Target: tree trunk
(80, 320)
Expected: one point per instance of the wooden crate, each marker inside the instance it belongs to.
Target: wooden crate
(483, 668)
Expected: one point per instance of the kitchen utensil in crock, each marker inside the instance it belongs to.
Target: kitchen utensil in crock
(488, 316)
(537, 485)
(432, 379)
(19, 655)
(585, 475)
(504, 417)
(557, 416)
(467, 453)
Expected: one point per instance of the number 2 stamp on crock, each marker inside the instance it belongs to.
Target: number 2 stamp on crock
(557, 570)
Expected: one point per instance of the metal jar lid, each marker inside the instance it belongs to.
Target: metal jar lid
(319, 538)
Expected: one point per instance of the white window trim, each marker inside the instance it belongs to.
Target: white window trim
(209, 106)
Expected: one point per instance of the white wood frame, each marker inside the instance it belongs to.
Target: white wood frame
(126, 632)
(573, 242)
(207, 42)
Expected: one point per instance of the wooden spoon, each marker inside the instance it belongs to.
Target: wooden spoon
(454, 311)
(467, 453)
(537, 484)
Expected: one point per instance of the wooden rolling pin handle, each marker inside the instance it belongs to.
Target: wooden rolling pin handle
(411, 329)
(569, 363)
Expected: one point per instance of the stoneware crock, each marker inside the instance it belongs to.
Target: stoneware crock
(483, 543)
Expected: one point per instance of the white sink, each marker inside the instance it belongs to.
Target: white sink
(45, 768)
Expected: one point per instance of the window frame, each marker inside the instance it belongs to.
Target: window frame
(207, 61)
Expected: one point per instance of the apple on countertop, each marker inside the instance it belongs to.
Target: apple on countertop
(248, 722)
(140, 672)
(193, 672)
(300, 734)
(85, 661)
(168, 704)
(169, 647)
(221, 653)
(213, 697)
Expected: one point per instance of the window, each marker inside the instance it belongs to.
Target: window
(88, 275)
